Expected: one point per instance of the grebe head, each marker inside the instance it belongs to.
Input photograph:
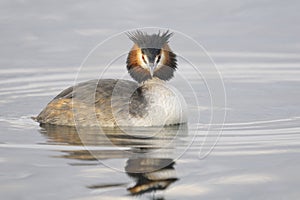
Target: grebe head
(151, 56)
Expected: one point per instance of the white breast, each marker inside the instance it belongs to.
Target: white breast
(166, 105)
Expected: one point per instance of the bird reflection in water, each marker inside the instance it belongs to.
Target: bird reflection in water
(150, 160)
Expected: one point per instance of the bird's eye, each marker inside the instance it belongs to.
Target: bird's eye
(158, 59)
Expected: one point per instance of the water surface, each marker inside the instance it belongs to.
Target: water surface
(255, 45)
(258, 151)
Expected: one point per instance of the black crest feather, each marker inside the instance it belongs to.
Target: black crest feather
(144, 40)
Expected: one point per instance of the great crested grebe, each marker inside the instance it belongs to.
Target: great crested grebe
(115, 102)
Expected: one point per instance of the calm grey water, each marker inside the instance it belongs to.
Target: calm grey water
(257, 156)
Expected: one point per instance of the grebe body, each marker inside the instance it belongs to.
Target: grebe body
(150, 101)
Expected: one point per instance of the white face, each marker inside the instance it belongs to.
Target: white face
(144, 61)
(158, 61)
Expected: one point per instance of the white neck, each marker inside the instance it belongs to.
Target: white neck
(166, 105)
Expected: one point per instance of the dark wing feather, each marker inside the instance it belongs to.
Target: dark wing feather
(96, 95)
